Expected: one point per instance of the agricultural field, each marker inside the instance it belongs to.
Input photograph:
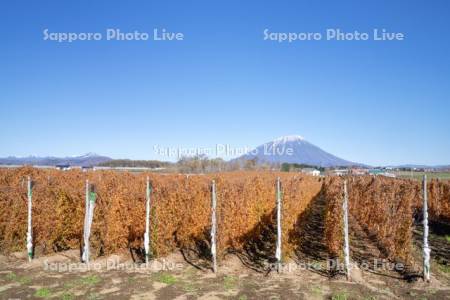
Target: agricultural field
(419, 175)
(384, 225)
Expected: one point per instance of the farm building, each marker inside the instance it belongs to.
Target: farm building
(311, 171)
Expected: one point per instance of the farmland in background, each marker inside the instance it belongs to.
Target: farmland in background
(418, 175)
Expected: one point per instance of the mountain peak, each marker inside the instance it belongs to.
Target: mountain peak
(294, 149)
(89, 154)
(289, 138)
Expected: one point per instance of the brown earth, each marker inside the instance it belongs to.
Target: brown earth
(22, 280)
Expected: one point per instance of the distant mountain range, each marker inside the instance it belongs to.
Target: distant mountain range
(292, 149)
(295, 149)
(88, 159)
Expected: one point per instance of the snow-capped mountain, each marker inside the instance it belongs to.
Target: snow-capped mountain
(295, 149)
(88, 159)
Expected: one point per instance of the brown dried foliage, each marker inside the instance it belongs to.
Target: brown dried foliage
(384, 207)
(439, 200)
(181, 209)
(333, 192)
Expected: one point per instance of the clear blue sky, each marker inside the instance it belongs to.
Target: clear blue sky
(370, 102)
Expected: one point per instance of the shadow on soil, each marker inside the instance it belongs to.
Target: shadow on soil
(259, 245)
(198, 254)
(309, 236)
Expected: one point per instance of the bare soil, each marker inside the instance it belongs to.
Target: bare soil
(20, 279)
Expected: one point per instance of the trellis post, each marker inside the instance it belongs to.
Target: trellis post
(278, 244)
(88, 218)
(346, 242)
(30, 228)
(147, 222)
(426, 248)
(213, 225)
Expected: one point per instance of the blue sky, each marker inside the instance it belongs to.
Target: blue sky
(366, 101)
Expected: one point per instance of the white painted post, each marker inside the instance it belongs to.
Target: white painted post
(147, 222)
(426, 248)
(84, 257)
(92, 197)
(30, 228)
(90, 206)
(278, 244)
(346, 242)
(213, 225)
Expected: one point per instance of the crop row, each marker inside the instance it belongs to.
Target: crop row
(181, 210)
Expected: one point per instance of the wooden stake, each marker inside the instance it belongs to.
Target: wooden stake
(147, 223)
(84, 257)
(30, 227)
(213, 225)
(278, 244)
(346, 242)
(426, 248)
(88, 218)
